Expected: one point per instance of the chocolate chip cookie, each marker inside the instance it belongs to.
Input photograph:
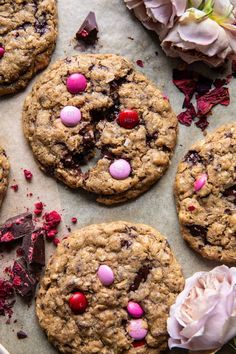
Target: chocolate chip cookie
(27, 39)
(98, 109)
(205, 190)
(4, 174)
(108, 289)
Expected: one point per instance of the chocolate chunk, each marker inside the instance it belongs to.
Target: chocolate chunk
(197, 230)
(23, 281)
(34, 248)
(230, 194)
(88, 30)
(16, 228)
(21, 335)
(193, 157)
(140, 277)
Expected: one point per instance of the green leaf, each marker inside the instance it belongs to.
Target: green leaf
(208, 7)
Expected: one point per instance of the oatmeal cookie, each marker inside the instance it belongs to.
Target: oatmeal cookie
(99, 105)
(28, 34)
(205, 190)
(108, 289)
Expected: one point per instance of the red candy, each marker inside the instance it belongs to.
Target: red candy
(128, 119)
(78, 302)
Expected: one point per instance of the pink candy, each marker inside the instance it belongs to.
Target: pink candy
(200, 182)
(70, 116)
(105, 275)
(2, 51)
(137, 329)
(134, 309)
(76, 83)
(120, 169)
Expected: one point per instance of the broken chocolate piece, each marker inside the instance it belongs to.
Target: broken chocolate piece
(21, 335)
(23, 282)
(230, 194)
(34, 248)
(140, 277)
(88, 30)
(16, 228)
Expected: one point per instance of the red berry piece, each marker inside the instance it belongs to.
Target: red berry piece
(78, 303)
(128, 119)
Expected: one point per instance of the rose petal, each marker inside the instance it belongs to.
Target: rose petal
(216, 96)
(204, 32)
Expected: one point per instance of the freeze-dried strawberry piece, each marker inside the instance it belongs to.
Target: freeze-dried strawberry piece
(28, 175)
(216, 96)
(187, 116)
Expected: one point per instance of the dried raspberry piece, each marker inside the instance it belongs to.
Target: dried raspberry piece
(51, 233)
(56, 241)
(216, 96)
(140, 63)
(52, 219)
(191, 208)
(15, 187)
(28, 175)
(38, 208)
(74, 220)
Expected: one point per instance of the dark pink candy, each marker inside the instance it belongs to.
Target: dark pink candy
(76, 83)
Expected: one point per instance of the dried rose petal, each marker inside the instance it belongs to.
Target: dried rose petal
(204, 85)
(186, 83)
(202, 123)
(200, 182)
(187, 116)
(216, 96)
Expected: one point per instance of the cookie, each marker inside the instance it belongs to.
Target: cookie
(98, 109)
(205, 191)
(27, 43)
(4, 174)
(126, 276)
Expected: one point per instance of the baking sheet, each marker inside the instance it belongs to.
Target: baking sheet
(155, 208)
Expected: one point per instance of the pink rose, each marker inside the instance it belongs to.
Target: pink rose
(157, 15)
(204, 315)
(204, 33)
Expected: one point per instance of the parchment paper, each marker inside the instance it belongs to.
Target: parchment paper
(155, 208)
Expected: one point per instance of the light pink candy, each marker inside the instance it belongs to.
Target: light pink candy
(70, 116)
(76, 83)
(134, 309)
(120, 169)
(2, 52)
(105, 275)
(137, 329)
(200, 182)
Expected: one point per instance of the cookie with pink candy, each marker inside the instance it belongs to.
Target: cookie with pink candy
(108, 289)
(205, 192)
(97, 124)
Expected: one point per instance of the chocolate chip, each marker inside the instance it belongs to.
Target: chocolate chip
(229, 135)
(88, 30)
(17, 227)
(34, 248)
(197, 230)
(230, 194)
(21, 335)
(141, 276)
(125, 243)
(193, 157)
(41, 24)
(228, 211)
